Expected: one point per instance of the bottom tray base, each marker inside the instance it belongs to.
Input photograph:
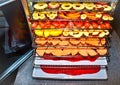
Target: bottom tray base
(38, 73)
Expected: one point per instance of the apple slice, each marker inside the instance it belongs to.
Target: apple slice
(83, 52)
(102, 52)
(91, 52)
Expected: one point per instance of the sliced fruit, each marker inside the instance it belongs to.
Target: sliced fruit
(102, 26)
(83, 16)
(82, 40)
(92, 42)
(107, 24)
(102, 34)
(41, 42)
(62, 43)
(39, 32)
(95, 33)
(65, 33)
(106, 32)
(70, 25)
(91, 52)
(40, 52)
(34, 24)
(102, 52)
(74, 41)
(46, 33)
(86, 33)
(66, 51)
(78, 35)
(74, 51)
(86, 24)
(57, 52)
(55, 32)
(83, 52)
(48, 50)
(95, 25)
(103, 41)
(55, 24)
(98, 15)
(55, 41)
(78, 24)
(42, 24)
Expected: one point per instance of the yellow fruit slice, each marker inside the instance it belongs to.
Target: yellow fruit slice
(46, 33)
(55, 33)
(38, 32)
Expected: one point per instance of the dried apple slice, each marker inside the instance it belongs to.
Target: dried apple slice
(57, 52)
(103, 41)
(55, 41)
(91, 52)
(83, 52)
(62, 43)
(102, 34)
(40, 51)
(102, 51)
(74, 51)
(74, 41)
(39, 41)
(92, 41)
(66, 51)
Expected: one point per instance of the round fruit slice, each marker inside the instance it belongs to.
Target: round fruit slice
(55, 33)
(39, 41)
(91, 52)
(83, 52)
(66, 51)
(63, 43)
(57, 52)
(74, 51)
(40, 51)
(74, 41)
(102, 52)
(38, 32)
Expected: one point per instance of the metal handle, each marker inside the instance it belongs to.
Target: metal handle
(6, 2)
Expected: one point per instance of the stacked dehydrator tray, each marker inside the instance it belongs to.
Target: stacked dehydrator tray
(71, 38)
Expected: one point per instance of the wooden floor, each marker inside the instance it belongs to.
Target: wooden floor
(24, 76)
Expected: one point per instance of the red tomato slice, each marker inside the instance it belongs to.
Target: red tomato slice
(42, 24)
(34, 24)
(95, 25)
(78, 24)
(87, 24)
(70, 25)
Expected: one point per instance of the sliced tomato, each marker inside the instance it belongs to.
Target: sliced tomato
(70, 25)
(42, 24)
(78, 24)
(107, 24)
(62, 24)
(87, 24)
(95, 25)
(56, 24)
(34, 24)
(102, 26)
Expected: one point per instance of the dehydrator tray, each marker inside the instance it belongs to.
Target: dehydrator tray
(41, 61)
(74, 0)
(41, 73)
